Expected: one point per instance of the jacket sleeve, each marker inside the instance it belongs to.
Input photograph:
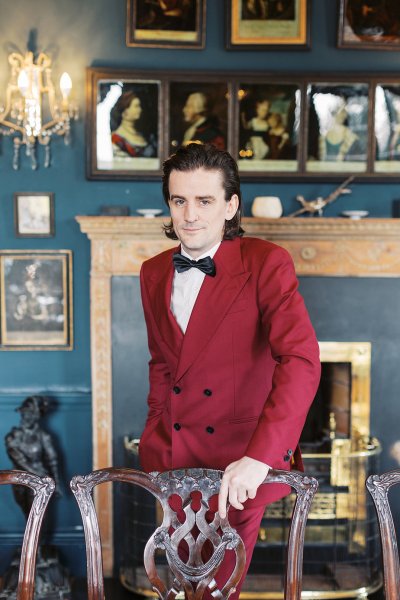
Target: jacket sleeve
(159, 374)
(295, 349)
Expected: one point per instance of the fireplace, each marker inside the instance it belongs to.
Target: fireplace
(342, 548)
(320, 248)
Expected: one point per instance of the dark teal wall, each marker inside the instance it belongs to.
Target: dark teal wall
(92, 33)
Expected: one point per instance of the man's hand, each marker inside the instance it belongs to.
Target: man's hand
(240, 482)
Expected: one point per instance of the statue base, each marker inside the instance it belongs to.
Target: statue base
(51, 580)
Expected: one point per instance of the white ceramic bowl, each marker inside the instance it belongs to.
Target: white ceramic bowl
(355, 214)
(149, 212)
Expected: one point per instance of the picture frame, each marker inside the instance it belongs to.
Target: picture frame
(268, 25)
(221, 108)
(374, 27)
(387, 126)
(36, 311)
(125, 113)
(34, 214)
(159, 25)
(199, 110)
(337, 127)
(268, 125)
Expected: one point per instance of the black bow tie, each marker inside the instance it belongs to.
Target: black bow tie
(182, 263)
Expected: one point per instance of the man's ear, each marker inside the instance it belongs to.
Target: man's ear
(232, 207)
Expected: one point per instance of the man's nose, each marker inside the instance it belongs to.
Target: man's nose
(190, 213)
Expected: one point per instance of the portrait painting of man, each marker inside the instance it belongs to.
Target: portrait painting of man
(198, 113)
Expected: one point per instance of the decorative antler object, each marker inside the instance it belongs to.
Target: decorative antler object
(316, 206)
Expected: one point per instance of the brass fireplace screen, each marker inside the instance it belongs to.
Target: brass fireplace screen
(342, 549)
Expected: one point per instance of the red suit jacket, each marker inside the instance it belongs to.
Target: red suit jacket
(241, 379)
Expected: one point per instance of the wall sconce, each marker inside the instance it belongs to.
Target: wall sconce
(32, 113)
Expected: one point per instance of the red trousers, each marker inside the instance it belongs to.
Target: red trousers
(247, 524)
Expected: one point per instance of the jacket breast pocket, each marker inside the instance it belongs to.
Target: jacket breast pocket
(239, 306)
(241, 420)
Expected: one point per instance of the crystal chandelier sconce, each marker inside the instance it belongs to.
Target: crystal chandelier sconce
(33, 113)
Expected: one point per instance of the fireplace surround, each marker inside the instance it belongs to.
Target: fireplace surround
(321, 247)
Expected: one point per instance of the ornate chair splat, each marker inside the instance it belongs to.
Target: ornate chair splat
(379, 486)
(193, 537)
(43, 488)
(185, 524)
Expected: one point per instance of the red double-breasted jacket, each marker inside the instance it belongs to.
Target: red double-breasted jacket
(241, 379)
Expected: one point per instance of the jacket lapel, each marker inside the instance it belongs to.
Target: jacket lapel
(160, 287)
(216, 296)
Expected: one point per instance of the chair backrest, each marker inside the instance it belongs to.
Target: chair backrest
(43, 488)
(378, 486)
(195, 573)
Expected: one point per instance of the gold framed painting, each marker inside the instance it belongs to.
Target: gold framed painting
(268, 24)
(36, 300)
(166, 23)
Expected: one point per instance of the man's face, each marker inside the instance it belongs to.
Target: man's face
(191, 110)
(199, 209)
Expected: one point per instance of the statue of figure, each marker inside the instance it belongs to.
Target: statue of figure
(31, 449)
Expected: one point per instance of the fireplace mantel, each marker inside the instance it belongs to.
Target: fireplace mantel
(119, 245)
(334, 247)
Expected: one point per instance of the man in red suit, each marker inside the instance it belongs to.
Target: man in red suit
(234, 359)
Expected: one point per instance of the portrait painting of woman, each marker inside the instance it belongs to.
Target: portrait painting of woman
(387, 128)
(127, 126)
(125, 137)
(268, 127)
(337, 127)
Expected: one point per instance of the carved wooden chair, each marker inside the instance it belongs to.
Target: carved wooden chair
(378, 486)
(195, 574)
(43, 488)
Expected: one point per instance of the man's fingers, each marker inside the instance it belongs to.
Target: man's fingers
(252, 493)
(236, 504)
(242, 495)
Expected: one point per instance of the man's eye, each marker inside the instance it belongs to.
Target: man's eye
(178, 202)
(204, 202)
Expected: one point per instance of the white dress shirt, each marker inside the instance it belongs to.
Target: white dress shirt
(185, 289)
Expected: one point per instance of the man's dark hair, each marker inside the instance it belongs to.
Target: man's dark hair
(206, 156)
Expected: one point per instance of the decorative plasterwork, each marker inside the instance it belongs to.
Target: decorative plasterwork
(333, 247)
(119, 245)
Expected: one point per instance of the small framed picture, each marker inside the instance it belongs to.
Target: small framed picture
(166, 24)
(337, 123)
(198, 112)
(36, 300)
(268, 24)
(371, 25)
(34, 214)
(387, 127)
(268, 127)
(124, 125)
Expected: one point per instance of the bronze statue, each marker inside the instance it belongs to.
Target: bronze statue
(31, 449)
